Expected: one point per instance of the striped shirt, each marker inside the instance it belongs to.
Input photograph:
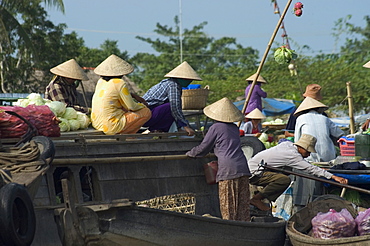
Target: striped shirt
(59, 90)
(168, 90)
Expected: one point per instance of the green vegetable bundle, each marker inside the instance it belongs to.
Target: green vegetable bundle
(284, 55)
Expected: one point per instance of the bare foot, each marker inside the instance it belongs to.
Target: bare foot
(259, 204)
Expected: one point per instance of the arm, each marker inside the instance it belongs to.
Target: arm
(174, 96)
(127, 99)
(56, 92)
(205, 146)
(139, 99)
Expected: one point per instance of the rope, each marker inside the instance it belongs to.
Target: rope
(20, 159)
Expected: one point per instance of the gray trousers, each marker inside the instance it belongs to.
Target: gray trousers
(274, 184)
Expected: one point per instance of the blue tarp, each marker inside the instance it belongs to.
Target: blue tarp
(272, 106)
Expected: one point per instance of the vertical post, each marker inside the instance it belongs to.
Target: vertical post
(350, 108)
(265, 56)
(180, 31)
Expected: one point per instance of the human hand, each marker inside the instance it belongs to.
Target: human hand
(340, 179)
(258, 134)
(189, 130)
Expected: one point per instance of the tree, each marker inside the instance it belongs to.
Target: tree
(11, 29)
(219, 62)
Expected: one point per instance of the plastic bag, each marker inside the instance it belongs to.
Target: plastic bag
(333, 224)
(363, 222)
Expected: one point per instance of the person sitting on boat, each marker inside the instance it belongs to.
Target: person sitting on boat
(253, 126)
(113, 109)
(164, 100)
(233, 172)
(255, 100)
(62, 87)
(285, 154)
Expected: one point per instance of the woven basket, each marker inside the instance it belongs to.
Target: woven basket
(195, 98)
(182, 203)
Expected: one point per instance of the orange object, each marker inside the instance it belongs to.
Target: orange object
(210, 171)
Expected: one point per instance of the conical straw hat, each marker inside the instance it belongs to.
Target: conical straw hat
(259, 79)
(309, 103)
(367, 64)
(183, 71)
(70, 69)
(223, 110)
(113, 66)
(255, 114)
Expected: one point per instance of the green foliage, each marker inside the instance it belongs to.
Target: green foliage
(221, 63)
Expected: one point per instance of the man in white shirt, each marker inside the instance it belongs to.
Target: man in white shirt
(285, 154)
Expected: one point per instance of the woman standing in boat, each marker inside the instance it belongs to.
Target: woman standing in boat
(233, 172)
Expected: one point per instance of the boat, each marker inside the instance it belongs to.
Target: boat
(21, 171)
(123, 222)
(105, 168)
(299, 225)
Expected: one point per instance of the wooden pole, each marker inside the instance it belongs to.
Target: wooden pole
(318, 179)
(350, 108)
(265, 56)
(86, 161)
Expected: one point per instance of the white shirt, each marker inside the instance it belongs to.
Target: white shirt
(284, 154)
(322, 128)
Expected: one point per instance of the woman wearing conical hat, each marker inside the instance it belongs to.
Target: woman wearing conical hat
(233, 171)
(113, 109)
(64, 83)
(255, 100)
(311, 121)
(253, 126)
(164, 100)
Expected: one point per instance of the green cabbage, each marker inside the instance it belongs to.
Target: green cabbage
(284, 55)
(264, 137)
(58, 108)
(35, 98)
(83, 119)
(64, 125)
(22, 102)
(74, 124)
(70, 113)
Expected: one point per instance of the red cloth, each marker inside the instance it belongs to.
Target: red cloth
(40, 116)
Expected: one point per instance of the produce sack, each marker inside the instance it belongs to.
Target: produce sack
(363, 222)
(39, 116)
(333, 224)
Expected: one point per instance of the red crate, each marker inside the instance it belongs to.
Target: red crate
(347, 146)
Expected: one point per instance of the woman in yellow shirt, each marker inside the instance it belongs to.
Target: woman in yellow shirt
(114, 111)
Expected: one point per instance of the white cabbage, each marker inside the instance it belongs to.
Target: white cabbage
(58, 108)
(64, 125)
(36, 99)
(70, 113)
(74, 124)
(83, 119)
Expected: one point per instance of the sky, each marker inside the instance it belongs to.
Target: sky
(251, 22)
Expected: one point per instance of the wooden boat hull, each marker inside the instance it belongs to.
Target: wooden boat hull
(148, 226)
(299, 225)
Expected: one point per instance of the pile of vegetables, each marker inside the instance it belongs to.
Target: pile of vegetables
(69, 118)
(264, 138)
(274, 122)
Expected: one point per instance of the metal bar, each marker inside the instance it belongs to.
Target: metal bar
(318, 179)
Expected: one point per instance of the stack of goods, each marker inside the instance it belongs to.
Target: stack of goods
(67, 118)
(335, 224)
(41, 117)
